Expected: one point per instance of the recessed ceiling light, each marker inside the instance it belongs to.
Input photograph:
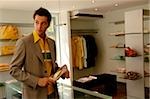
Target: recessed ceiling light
(73, 6)
(96, 9)
(93, 1)
(116, 4)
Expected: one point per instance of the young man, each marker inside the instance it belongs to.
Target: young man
(33, 62)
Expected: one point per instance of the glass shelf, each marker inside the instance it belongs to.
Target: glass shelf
(119, 57)
(6, 55)
(117, 47)
(123, 33)
(8, 40)
(18, 24)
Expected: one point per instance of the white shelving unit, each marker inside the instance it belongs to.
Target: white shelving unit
(134, 32)
(136, 35)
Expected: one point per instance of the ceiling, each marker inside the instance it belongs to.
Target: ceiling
(100, 6)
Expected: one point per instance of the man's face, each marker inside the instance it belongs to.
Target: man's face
(40, 24)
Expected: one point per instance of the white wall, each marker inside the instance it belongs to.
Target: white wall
(15, 16)
(83, 24)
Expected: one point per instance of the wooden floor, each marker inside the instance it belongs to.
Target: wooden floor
(121, 92)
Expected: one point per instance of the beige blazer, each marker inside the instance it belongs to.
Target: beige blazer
(27, 66)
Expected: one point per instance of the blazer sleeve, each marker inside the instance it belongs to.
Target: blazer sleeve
(17, 63)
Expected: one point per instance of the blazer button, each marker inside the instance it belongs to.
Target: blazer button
(45, 71)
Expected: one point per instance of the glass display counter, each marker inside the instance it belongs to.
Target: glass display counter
(13, 91)
(72, 92)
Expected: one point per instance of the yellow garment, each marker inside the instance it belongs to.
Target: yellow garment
(7, 50)
(77, 52)
(9, 32)
(47, 60)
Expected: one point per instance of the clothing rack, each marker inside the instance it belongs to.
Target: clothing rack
(84, 31)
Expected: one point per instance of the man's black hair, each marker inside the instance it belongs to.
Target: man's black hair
(43, 12)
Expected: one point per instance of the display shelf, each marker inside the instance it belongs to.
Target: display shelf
(134, 56)
(120, 78)
(117, 22)
(130, 79)
(146, 17)
(17, 24)
(122, 33)
(119, 57)
(117, 46)
(4, 70)
(6, 55)
(123, 71)
(4, 67)
(120, 72)
(117, 34)
(8, 40)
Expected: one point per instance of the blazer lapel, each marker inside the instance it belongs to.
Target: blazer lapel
(38, 52)
(36, 49)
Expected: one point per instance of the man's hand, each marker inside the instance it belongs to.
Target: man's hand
(43, 82)
(65, 72)
(51, 80)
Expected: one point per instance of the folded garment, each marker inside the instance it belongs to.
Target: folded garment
(9, 32)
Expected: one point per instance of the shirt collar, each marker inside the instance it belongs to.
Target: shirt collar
(36, 36)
